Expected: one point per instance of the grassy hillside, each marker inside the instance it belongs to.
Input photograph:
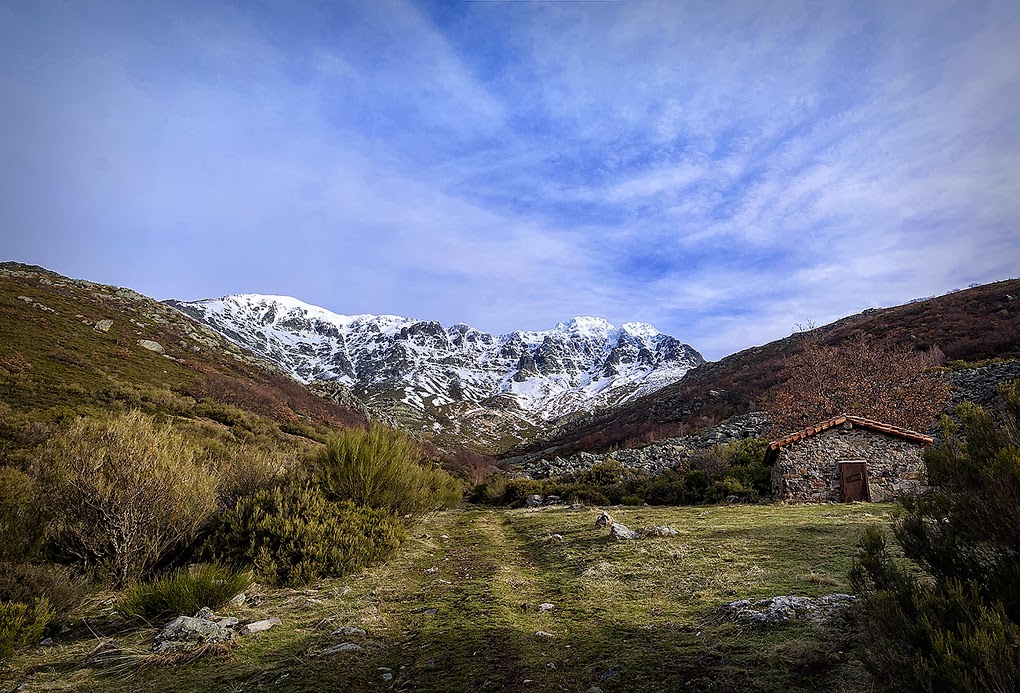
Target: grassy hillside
(456, 610)
(70, 347)
(969, 325)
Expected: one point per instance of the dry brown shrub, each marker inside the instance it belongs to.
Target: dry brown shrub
(126, 492)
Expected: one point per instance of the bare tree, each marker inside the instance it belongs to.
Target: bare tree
(897, 386)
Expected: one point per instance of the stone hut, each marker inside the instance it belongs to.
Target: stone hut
(847, 458)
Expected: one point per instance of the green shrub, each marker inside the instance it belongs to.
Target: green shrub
(22, 624)
(632, 500)
(293, 534)
(24, 583)
(183, 591)
(381, 468)
(22, 524)
(947, 615)
(127, 492)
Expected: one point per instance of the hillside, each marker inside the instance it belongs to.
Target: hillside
(968, 326)
(456, 385)
(70, 347)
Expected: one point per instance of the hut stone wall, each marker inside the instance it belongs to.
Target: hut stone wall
(808, 470)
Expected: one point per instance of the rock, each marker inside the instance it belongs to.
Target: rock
(430, 571)
(151, 346)
(103, 326)
(552, 500)
(594, 689)
(387, 676)
(660, 531)
(786, 608)
(347, 632)
(603, 520)
(533, 501)
(622, 532)
(46, 642)
(545, 606)
(342, 647)
(238, 599)
(555, 537)
(227, 621)
(543, 634)
(206, 613)
(186, 633)
(259, 626)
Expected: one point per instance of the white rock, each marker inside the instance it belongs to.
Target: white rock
(622, 532)
(342, 647)
(545, 606)
(259, 626)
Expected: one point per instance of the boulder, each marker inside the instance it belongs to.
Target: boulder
(603, 520)
(786, 608)
(660, 531)
(103, 326)
(622, 532)
(533, 501)
(186, 633)
(151, 346)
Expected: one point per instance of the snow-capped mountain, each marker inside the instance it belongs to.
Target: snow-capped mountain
(416, 367)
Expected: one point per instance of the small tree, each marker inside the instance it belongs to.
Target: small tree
(897, 386)
(126, 492)
(948, 617)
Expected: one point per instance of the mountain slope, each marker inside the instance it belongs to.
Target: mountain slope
(969, 325)
(70, 347)
(437, 378)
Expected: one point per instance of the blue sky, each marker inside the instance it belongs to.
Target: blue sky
(722, 170)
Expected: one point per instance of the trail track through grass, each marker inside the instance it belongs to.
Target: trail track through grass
(457, 609)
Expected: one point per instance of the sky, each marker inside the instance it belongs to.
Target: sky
(722, 170)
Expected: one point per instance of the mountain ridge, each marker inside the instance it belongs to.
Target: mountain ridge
(431, 375)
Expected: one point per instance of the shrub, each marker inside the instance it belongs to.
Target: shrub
(127, 492)
(293, 534)
(22, 524)
(24, 583)
(380, 468)
(246, 469)
(22, 624)
(947, 616)
(183, 591)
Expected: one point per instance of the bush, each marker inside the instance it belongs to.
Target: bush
(947, 616)
(293, 534)
(22, 624)
(380, 468)
(24, 583)
(183, 591)
(127, 492)
(22, 524)
(246, 469)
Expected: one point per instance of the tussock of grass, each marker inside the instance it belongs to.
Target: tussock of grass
(183, 592)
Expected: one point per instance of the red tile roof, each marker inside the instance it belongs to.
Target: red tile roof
(913, 436)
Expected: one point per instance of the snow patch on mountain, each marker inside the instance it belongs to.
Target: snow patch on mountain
(586, 363)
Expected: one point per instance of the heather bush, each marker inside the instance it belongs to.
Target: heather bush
(244, 469)
(127, 492)
(22, 523)
(382, 468)
(947, 615)
(22, 624)
(24, 583)
(183, 591)
(293, 534)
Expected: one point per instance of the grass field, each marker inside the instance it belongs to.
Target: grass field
(456, 610)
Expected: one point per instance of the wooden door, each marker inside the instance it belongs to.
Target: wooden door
(854, 481)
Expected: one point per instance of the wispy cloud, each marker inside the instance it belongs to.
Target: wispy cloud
(723, 171)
